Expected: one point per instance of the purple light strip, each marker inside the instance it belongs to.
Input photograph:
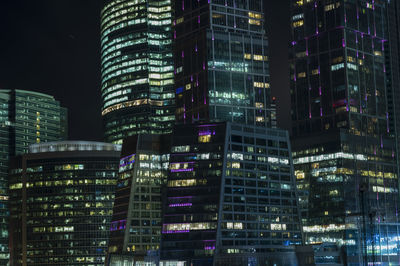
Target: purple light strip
(205, 133)
(181, 170)
(180, 205)
(127, 157)
(125, 164)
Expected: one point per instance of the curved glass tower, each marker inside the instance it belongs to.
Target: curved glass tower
(137, 68)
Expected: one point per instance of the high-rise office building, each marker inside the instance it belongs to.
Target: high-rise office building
(136, 222)
(230, 197)
(4, 157)
(26, 118)
(343, 148)
(221, 62)
(35, 118)
(61, 197)
(137, 68)
(392, 57)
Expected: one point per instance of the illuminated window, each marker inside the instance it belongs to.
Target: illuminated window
(255, 15)
(337, 66)
(261, 85)
(181, 148)
(259, 105)
(315, 72)
(301, 75)
(338, 59)
(299, 2)
(170, 228)
(247, 56)
(205, 138)
(179, 20)
(298, 23)
(187, 182)
(236, 165)
(260, 119)
(299, 174)
(254, 22)
(278, 227)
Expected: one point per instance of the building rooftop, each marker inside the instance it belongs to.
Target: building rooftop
(73, 145)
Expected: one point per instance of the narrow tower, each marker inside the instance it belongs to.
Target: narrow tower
(137, 68)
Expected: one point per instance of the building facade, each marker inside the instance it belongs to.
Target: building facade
(4, 157)
(61, 197)
(137, 68)
(26, 118)
(136, 222)
(344, 149)
(392, 58)
(230, 197)
(221, 62)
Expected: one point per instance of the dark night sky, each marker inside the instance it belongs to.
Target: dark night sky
(52, 46)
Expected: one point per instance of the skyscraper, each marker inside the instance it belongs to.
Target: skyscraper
(26, 117)
(392, 58)
(137, 68)
(61, 197)
(221, 62)
(230, 197)
(136, 221)
(344, 149)
(4, 157)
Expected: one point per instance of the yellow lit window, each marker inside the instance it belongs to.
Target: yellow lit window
(351, 59)
(204, 138)
(254, 22)
(314, 72)
(260, 119)
(297, 24)
(338, 59)
(179, 20)
(236, 165)
(299, 174)
(261, 85)
(259, 105)
(143, 157)
(255, 15)
(187, 182)
(260, 57)
(301, 75)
